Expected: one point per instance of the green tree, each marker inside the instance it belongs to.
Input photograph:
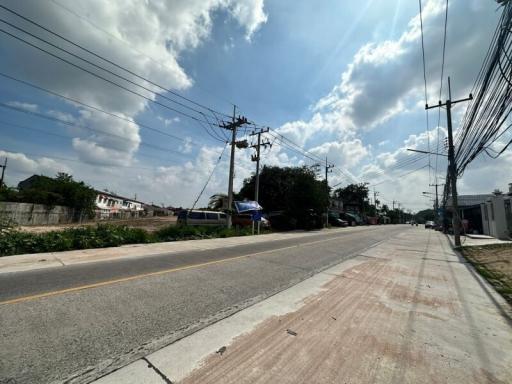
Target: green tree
(355, 195)
(293, 190)
(62, 190)
(425, 215)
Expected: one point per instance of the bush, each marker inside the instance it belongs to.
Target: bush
(13, 241)
(103, 235)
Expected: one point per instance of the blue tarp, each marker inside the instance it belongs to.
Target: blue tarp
(247, 206)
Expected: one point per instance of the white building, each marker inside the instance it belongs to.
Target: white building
(497, 215)
(110, 206)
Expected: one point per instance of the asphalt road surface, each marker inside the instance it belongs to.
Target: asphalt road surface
(76, 323)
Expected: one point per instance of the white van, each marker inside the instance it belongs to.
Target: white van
(196, 217)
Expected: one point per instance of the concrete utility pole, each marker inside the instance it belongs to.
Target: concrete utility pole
(375, 193)
(436, 202)
(452, 167)
(3, 172)
(235, 123)
(327, 170)
(256, 158)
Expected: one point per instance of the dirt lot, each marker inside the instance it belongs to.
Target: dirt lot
(494, 262)
(150, 224)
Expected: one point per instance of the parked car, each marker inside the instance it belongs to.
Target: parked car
(351, 219)
(336, 221)
(197, 217)
(245, 220)
(429, 224)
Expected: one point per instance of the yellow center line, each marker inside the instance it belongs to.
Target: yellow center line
(149, 274)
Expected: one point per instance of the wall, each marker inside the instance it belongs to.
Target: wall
(36, 214)
(495, 220)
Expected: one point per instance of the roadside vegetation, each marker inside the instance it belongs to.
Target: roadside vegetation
(494, 263)
(14, 241)
(61, 190)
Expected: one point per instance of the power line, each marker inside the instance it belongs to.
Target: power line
(76, 160)
(130, 46)
(402, 175)
(101, 77)
(441, 86)
(62, 121)
(425, 82)
(210, 177)
(101, 58)
(92, 107)
(71, 137)
(486, 118)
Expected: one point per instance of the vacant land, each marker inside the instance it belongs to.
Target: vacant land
(150, 224)
(493, 262)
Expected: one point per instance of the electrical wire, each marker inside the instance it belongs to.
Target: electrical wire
(99, 57)
(91, 107)
(210, 177)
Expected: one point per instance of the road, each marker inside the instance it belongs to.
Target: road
(76, 323)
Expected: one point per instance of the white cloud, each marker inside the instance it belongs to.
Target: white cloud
(345, 154)
(107, 141)
(22, 165)
(24, 106)
(163, 30)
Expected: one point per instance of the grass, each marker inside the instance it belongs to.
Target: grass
(494, 263)
(13, 241)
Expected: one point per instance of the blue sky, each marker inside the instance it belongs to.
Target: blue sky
(342, 79)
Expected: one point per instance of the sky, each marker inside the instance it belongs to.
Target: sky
(124, 98)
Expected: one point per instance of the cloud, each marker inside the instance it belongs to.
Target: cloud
(22, 165)
(24, 106)
(345, 154)
(186, 147)
(105, 140)
(385, 78)
(120, 31)
(250, 14)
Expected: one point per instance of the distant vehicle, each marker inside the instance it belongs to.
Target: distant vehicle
(337, 222)
(197, 217)
(350, 218)
(430, 224)
(407, 222)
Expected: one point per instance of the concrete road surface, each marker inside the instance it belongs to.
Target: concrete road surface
(76, 323)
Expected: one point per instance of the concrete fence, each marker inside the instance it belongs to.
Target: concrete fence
(36, 214)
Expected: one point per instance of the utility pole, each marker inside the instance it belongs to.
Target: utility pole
(436, 202)
(256, 158)
(235, 123)
(452, 167)
(3, 172)
(375, 193)
(327, 170)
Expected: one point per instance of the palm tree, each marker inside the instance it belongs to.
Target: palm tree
(218, 201)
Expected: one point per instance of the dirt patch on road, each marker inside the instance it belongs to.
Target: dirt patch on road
(494, 263)
(150, 224)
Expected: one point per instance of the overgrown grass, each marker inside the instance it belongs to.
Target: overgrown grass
(13, 241)
(485, 260)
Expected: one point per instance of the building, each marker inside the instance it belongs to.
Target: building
(470, 212)
(497, 215)
(488, 214)
(111, 206)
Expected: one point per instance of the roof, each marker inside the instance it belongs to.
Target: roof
(469, 200)
(118, 197)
